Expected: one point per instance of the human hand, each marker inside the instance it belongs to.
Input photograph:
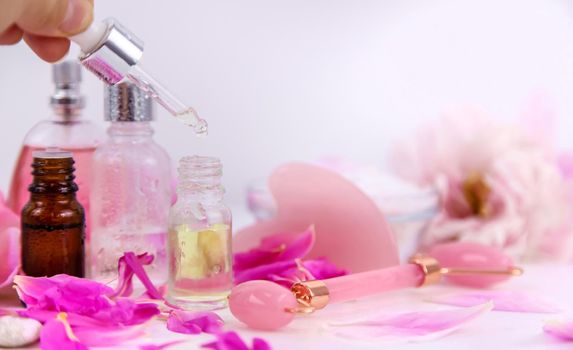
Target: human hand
(45, 25)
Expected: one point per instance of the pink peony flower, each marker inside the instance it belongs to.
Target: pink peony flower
(499, 185)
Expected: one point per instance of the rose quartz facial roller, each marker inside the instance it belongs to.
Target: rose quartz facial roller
(268, 306)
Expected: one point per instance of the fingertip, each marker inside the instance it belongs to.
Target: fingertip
(11, 36)
(49, 49)
(79, 16)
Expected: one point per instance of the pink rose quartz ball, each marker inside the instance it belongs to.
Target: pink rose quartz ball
(262, 304)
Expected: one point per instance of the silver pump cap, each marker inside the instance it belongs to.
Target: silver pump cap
(67, 99)
(117, 51)
(125, 102)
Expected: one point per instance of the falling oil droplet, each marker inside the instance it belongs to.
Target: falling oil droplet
(190, 118)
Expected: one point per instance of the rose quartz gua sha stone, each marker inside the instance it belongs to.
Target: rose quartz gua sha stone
(350, 228)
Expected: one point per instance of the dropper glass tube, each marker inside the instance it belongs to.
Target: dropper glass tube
(112, 52)
(159, 93)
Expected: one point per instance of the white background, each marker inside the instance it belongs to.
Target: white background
(283, 80)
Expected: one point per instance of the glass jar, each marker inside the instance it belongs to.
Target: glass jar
(199, 238)
(131, 188)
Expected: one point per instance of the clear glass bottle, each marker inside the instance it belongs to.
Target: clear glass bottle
(66, 131)
(53, 221)
(131, 188)
(199, 244)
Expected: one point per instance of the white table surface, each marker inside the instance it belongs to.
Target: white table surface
(494, 330)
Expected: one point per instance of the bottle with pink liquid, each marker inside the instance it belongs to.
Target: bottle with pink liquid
(131, 188)
(199, 244)
(67, 131)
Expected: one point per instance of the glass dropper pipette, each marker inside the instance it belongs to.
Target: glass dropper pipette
(112, 52)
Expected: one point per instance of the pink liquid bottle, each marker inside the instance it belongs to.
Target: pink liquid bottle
(67, 131)
(131, 188)
(199, 243)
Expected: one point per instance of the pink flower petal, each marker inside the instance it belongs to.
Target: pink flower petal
(90, 331)
(106, 336)
(57, 335)
(323, 269)
(232, 341)
(127, 312)
(160, 346)
(9, 245)
(275, 248)
(10, 278)
(187, 322)
(162, 289)
(82, 297)
(561, 330)
(45, 316)
(411, 326)
(125, 274)
(63, 293)
(263, 272)
(502, 301)
(134, 265)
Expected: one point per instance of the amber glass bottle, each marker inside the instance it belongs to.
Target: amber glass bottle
(53, 222)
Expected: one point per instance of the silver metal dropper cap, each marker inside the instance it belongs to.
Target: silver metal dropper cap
(125, 102)
(117, 51)
(67, 98)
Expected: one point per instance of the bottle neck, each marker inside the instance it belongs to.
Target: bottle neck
(67, 102)
(130, 130)
(200, 180)
(53, 176)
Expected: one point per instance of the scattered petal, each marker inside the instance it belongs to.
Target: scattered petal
(133, 264)
(232, 341)
(90, 331)
(260, 344)
(58, 335)
(127, 312)
(502, 301)
(160, 346)
(187, 322)
(162, 291)
(9, 244)
(125, 274)
(106, 336)
(10, 278)
(562, 330)
(411, 326)
(275, 248)
(82, 297)
(44, 316)
(323, 269)
(62, 293)
(264, 272)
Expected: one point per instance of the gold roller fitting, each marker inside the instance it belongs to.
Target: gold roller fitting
(431, 268)
(310, 295)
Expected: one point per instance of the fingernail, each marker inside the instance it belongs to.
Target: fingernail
(76, 14)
